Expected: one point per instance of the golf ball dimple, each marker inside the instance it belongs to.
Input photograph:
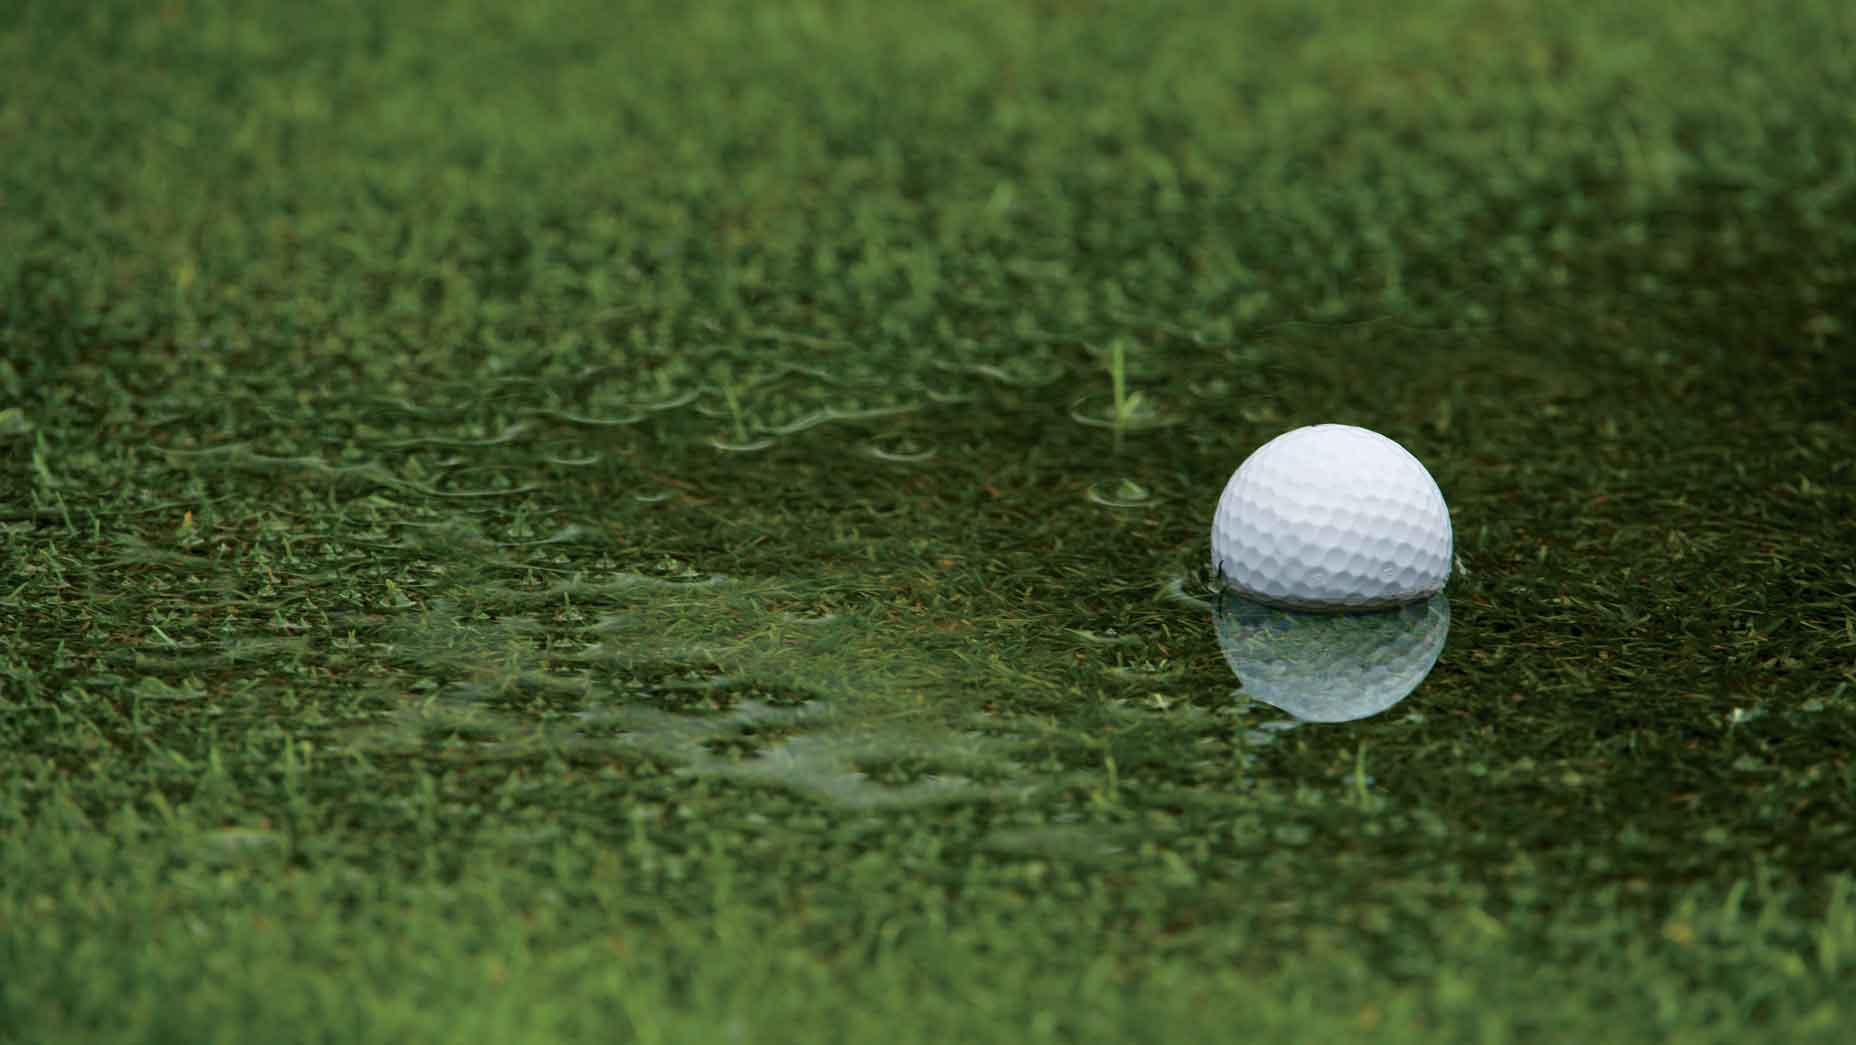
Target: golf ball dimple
(1332, 518)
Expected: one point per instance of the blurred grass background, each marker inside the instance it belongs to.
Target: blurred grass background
(634, 521)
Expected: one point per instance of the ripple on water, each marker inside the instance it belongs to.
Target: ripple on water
(1121, 494)
(898, 449)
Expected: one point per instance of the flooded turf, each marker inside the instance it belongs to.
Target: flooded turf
(523, 523)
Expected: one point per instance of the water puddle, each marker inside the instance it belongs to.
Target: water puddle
(712, 678)
(774, 684)
(851, 765)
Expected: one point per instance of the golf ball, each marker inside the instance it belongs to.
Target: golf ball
(1332, 518)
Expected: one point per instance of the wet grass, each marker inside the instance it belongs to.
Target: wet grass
(557, 522)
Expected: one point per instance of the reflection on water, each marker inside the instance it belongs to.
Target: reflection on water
(1328, 667)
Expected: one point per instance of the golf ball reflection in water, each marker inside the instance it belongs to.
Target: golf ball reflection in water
(1323, 667)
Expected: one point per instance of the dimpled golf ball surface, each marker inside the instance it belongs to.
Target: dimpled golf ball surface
(1332, 518)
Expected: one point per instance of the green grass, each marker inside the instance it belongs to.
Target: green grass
(608, 522)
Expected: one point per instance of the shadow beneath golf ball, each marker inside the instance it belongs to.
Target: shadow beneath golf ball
(1330, 667)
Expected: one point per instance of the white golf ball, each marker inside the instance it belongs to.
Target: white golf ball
(1332, 518)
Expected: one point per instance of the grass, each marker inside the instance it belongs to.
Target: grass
(573, 521)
